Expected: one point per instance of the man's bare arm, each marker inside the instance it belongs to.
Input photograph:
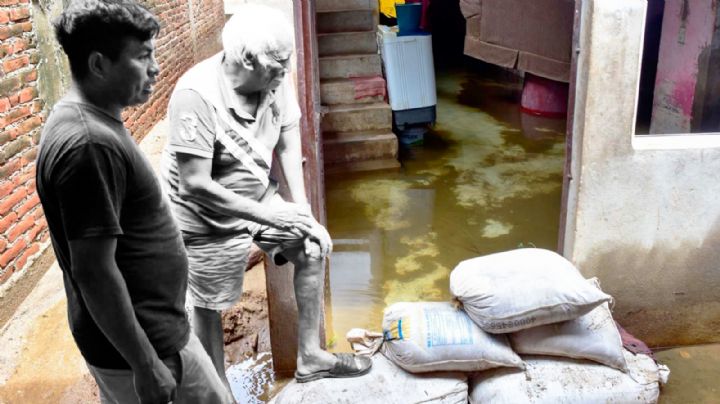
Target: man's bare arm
(289, 152)
(196, 184)
(106, 296)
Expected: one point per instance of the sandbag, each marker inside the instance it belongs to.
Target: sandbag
(436, 336)
(592, 336)
(385, 384)
(561, 380)
(519, 289)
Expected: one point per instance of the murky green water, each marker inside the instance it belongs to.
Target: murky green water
(487, 179)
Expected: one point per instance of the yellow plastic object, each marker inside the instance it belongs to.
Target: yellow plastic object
(387, 7)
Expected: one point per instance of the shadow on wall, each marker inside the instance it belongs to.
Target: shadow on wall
(682, 280)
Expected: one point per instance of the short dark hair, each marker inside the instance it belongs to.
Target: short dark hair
(87, 26)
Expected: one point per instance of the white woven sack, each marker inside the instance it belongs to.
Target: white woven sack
(436, 336)
(385, 384)
(592, 336)
(550, 380)
(514, 290)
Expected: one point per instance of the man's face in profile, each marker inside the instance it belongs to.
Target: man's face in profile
(134, 72)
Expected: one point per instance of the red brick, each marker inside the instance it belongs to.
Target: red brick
(17, 14)
(30, 186)
(9, 168)
(37, 106)
(12, 253)
(28, 94)
(7, 221)
(9, 84)
(14, 116)
(4, 17)
(5, 49)
(9, 31)
(9, 202)
(38, 213)
(26, 26)
(29, 157)
(8, 2)
(14, 64)
(24, 177)
(14, 99)
(20, 263)
(32, 234)
(28, 205)
(29, 76)
(24, 225)
(5, 275)
(3, 244)
(5, 188)
(19, 45)
(4, 104)
(29, 124)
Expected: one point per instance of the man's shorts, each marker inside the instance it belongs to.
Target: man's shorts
(217, 263)
(198, 381)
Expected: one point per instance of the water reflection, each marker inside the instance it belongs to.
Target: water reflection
(252, 379)
(487, 179)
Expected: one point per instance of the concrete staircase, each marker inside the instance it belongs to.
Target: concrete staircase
(357, 132)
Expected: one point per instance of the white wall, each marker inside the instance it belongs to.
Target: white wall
(643, 214)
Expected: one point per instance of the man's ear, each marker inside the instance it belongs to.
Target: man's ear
(248, 60)
(98, 64)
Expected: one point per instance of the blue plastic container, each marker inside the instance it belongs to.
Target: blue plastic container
(408, 18)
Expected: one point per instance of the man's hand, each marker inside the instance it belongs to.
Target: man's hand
(291, 217)
(318, 237)
(155, 385)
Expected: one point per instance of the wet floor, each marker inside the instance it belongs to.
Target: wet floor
(252, 380)
(487, 178)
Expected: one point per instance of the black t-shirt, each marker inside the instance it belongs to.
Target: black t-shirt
(94, 181)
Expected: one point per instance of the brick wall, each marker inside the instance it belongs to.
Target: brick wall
(22, 226)
(190, 32)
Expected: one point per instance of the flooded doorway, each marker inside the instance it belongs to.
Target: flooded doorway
(488, 178)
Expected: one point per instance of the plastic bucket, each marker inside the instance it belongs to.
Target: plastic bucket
(408, 17)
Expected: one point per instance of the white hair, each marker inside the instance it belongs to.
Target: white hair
(256, 30)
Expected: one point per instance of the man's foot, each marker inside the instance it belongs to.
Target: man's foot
(346, 365)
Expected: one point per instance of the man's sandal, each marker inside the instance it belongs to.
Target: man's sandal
(347, 365)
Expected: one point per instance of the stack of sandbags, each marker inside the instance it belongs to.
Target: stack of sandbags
(545, 306)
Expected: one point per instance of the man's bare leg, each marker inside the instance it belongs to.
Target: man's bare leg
(309, 286)
(207, 325)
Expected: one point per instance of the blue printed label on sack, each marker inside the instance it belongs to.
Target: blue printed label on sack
(448, 327)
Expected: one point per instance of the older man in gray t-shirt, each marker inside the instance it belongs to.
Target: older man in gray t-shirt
(229, 115)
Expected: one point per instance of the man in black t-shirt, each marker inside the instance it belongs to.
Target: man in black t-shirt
(122, 256)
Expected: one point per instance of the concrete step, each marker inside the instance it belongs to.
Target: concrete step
(346, 147)
(340, 5)
(342, 91)
(357, 117)
(347, 21)
(359, 166)
(344, 66)
(347, 43)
